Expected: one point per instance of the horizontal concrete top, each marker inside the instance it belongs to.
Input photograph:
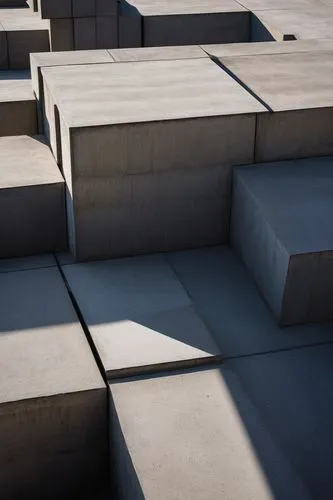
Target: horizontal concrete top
(186, 7)
(15, 86)
(262, 48)
(296, 199)
(25, 263)
(157, 53)
(43, 350)
(22, 20)
(282, 4)
(303, 24)
(197, 435)
(139, 315)
(107, 94)
(287, 81)
(27, 161)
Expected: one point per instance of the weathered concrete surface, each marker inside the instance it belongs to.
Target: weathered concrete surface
(18, 114)
(157, 53)
(139, 316)
(195, 435)
(25, 33)
(62, 34)
(3, 49)
(291, 390)
(229, 302)
(32, 198)
(25, 263)
(281, 226)
(301, 102)
(108, 163)
(52, 397)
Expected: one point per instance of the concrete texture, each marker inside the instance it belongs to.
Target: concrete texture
(84, 33)
(106, 32)
(3, 49)
(281, 227)
(157, 53)
(49, 9)
(228, 301)
(18, 113)
(195, 435)
(293, 398)
(287, 83)
(52, 399)
(139, 316)
(32, 198)
(62, 34)
(25, 263)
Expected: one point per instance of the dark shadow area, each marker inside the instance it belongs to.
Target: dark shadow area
(15, 74)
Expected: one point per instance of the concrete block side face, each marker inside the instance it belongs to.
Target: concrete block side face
(85, 33)
(160, 146)
(61, 34)
(18, 118)
(22, 43)
(106, 7)
(48, 9)
(32, 220)
(137, 214)
(294, 134)
(66, 151)
(83, 8)
(106, 32)
(196, 29)
(45, 439)
(130, 31)
(3, 50)
(255, 241)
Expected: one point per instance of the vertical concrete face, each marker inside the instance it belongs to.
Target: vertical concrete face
(106, 32)
(62, 34)
(3, 49)
(84, 33)
(53, 414)
(281, 227)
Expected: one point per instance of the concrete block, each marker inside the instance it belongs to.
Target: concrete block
(142, 319)
(106, 7)
(83, 8)
(52, 400)
(106, 32)
(297, 381)
(18, 113)
(129, 26)
(157, 53)
(48, 9)
(281, 220)
(220, 288)
(195, 435)
(61, 34)
(85, 33)
(32, 200)
(3, 49)
(302, 105)
(25, 263)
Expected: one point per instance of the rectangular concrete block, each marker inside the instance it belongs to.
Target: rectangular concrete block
(143, 320)
(195, 435)
(48, 9)
(3, 49)
(85, 33)
(32, 198)
(129, 26)
(106, 7)
(26, 263)
(53, 412)
(157, 53)
(61, 34)
(106, 32)
(83, 8)
(281, 222)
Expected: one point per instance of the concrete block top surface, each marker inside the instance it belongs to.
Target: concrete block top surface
(158, 53)
(295, 198)
(197, 435)
(282, 4)
(108, 94)
(262, 48)
(25, 263)
(287, 81)
(185, 7)
(138, 314)
(22, 20)
(43, 350)
(15, 86)
(26, 161)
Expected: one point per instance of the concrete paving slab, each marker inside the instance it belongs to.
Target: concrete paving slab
(142, 320)
(291, 390)
(26, 263)
(157, 53)
(18, 113)
(281, 227)
(193, 435)
(32, 198)
(44, 353)
(228, 301)
(302, 103)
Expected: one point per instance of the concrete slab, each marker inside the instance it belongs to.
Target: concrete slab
(26, 263)
(3, 49)
(18, 113)
(142, 320)
(293, 398)
(44, 353)
(254, 5)
(157, 53)
(195, 434)
(106, 32)
(62, 34)
(48, 9)
(84, 33)
(231, 306)
(289, 83)
(281, 227)
(32, 198)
